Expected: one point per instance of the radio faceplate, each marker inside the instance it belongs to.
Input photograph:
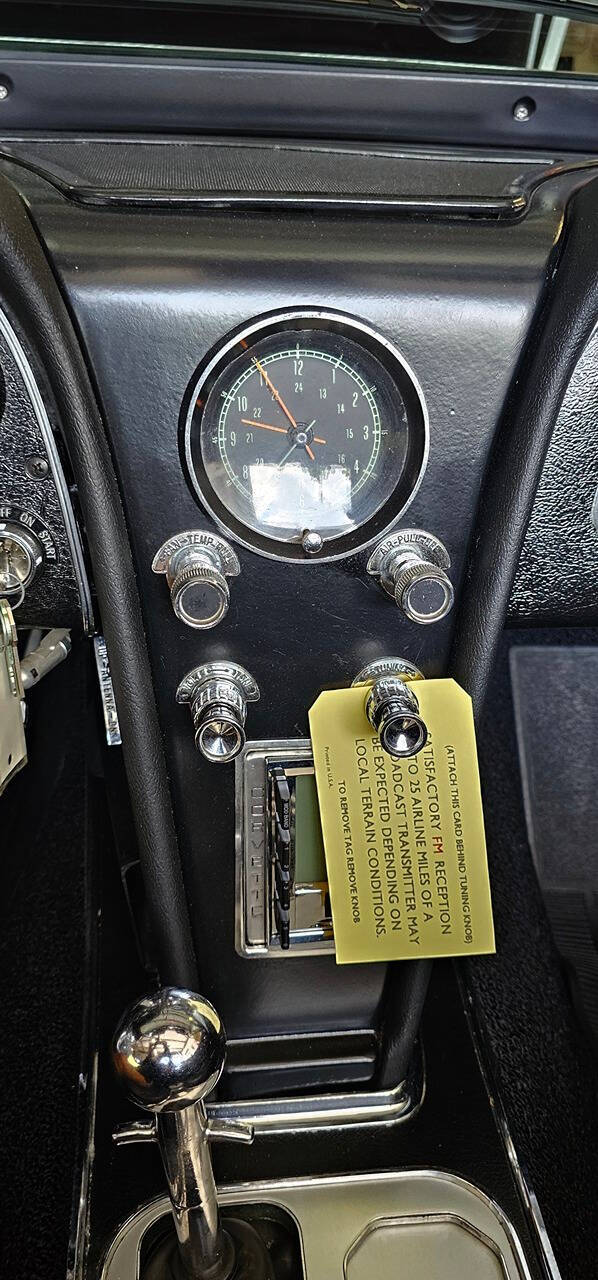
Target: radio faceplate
(282, 902)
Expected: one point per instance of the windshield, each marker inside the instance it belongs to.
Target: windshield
(560, 40)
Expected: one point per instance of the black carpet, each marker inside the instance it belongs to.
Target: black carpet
(42, 979)
(543, 1061)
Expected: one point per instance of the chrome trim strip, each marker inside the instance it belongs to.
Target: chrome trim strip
(487, 208)
(321, 1111)
(528, 1197)
(58, 477)
(87, 1086)
(298, 1114)
(109, 708)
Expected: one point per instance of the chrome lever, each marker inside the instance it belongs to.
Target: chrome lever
(169, 1052)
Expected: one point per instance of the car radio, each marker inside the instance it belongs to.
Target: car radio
(283, 905)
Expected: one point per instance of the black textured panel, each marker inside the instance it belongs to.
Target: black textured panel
(153, 294)
(543, 1066)
(53, 597)
(558, 569)
(221, 169)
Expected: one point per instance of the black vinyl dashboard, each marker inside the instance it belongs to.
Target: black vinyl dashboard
(155, 285)
(279, 401)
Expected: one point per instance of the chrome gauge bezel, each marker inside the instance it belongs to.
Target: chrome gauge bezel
(417, 449)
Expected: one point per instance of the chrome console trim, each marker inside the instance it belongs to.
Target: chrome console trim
(290, 1115)
(528, 1197)
(354, 1203)
(43, 422)
(323, 1111)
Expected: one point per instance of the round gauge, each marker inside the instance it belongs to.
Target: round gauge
(306, 435)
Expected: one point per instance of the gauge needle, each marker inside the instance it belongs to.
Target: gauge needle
(287, 455)
(249, 422)
(275, 393)
(266, 426)
(309, 451)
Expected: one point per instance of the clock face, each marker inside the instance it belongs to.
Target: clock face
(302, 435)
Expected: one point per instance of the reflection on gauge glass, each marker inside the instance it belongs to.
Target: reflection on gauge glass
(306, 434)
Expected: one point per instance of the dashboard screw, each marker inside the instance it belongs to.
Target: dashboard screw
(37, 467)
(523, 109)
(4, 91)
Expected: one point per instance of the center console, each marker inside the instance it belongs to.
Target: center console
(305, 448)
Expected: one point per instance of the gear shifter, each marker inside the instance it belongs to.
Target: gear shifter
(169, 1051)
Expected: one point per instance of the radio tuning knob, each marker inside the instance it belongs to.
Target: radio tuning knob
(412, 568)
(392, 707)
(197, 564)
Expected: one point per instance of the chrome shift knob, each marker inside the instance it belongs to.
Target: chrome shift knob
(169, 1050)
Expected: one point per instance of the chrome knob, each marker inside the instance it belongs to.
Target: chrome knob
(197, 564)
(218, 694)
(412, 567)
(169, 1051)
(20, 557)
(392, 707)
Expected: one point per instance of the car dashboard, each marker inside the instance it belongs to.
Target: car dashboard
(278, 411)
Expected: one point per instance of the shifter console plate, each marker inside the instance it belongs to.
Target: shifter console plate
(282, 898)
(405, 1225)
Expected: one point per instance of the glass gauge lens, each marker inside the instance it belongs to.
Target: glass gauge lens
(302, 437)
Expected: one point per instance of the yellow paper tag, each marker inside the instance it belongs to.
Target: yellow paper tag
(404, 839)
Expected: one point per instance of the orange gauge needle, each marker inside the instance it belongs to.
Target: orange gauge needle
(249, 422)
(310, 453)
(266, 426)
(272, 388)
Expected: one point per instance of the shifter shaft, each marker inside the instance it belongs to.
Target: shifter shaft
(169, 1051)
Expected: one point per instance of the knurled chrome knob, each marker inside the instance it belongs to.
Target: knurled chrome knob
(200, 595)
(412, 568)
(197, 564)
(392, 707)
(422, 590)
(217, 694)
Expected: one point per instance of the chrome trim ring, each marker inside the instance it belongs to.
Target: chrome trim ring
(254, 330)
